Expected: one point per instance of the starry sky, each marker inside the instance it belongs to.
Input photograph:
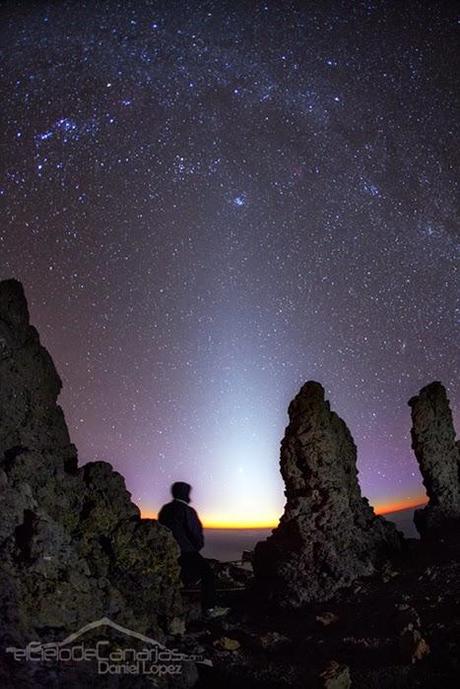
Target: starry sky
(211, 202)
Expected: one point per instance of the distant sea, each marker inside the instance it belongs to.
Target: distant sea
(228, 544)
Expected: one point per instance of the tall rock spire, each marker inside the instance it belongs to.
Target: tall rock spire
(438, 455)
(30, 385)
(328, 535)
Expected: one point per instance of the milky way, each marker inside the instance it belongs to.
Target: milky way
(209, 203)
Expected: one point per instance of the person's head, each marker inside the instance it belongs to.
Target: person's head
(181, 491)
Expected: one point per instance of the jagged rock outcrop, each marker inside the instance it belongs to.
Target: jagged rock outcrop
(328, 535)
(438, 455)
(73, 547)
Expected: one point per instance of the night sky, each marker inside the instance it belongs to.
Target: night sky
(210, 203)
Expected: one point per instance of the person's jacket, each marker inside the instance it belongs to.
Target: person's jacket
(184, 523)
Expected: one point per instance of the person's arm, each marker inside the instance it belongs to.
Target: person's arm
(194, 528)
(164, 517)
(161, 516)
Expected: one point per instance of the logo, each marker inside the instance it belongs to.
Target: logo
(139, 655)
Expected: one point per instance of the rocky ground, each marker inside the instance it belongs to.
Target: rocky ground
(397, 630)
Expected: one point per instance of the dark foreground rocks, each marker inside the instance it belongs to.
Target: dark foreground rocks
(328, 535)
(398, 632)
(73, 548)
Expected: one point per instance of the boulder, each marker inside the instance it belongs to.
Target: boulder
(225, 643)
(327, 618)
(438, 455)
(335, 676)
(328, 535)
(412, 645)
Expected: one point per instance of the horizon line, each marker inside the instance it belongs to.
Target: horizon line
(213, 523)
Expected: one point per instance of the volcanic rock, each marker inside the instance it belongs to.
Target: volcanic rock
(335, 676)
(73, 547)
(438, 455)
(328, 535)
(412, 645)
(225, 643)
(406, 616)
(231, 574)
(327, 618)
(273, 641)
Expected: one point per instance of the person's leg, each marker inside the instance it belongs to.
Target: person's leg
(208, 584)
(190, 568)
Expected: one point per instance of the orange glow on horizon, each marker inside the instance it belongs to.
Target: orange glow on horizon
(401, 504)
(214, 522)
(222, 523)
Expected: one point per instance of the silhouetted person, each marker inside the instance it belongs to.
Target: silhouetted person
(186, 527)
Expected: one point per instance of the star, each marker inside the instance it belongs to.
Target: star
(240, 200)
